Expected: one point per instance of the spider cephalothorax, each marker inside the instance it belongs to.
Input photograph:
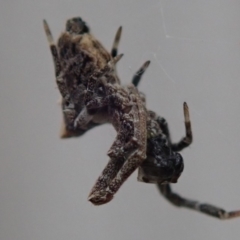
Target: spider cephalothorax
(76, 26)
(92, 94)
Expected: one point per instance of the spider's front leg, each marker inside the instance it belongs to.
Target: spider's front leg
(176, 199)
(100, 193)
(69, 108)
(127, 152)
(57, 63)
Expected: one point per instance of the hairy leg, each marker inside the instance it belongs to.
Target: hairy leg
(117, 153)
(205, 208)
(57, 65)
(116, 41)
(138, 75)
(187, 139)
(130, 150)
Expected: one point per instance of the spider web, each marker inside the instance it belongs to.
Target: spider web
(210, 39)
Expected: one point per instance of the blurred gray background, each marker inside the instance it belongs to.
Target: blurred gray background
(194, 48)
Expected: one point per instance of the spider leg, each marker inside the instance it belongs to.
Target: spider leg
(208, 209)
(57, 64)
(117, 159)
(116, 42)
(187, 139)
(53, 48)
(64, 132)
(118, 169)
(138, 75)
(131, 164)
(129, 155)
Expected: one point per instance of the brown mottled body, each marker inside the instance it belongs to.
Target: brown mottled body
(128, 116)
(92, 94)
(77, 55)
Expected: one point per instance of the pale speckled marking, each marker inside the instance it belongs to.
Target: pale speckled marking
(140, 136)
(205, 208)
(114, 175)
(116, 42)
(86, 43)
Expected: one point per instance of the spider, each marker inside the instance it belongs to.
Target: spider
(92, 95)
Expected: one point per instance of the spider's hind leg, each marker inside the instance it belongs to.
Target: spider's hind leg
(208, 209)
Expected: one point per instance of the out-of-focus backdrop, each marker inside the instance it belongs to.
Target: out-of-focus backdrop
(194, 48)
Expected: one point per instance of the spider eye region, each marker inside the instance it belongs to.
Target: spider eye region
(76, 26)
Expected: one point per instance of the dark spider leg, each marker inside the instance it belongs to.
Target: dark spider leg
(138, 75)
(185, 141)
(164, 127)
(116, 42)
(208, 209)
